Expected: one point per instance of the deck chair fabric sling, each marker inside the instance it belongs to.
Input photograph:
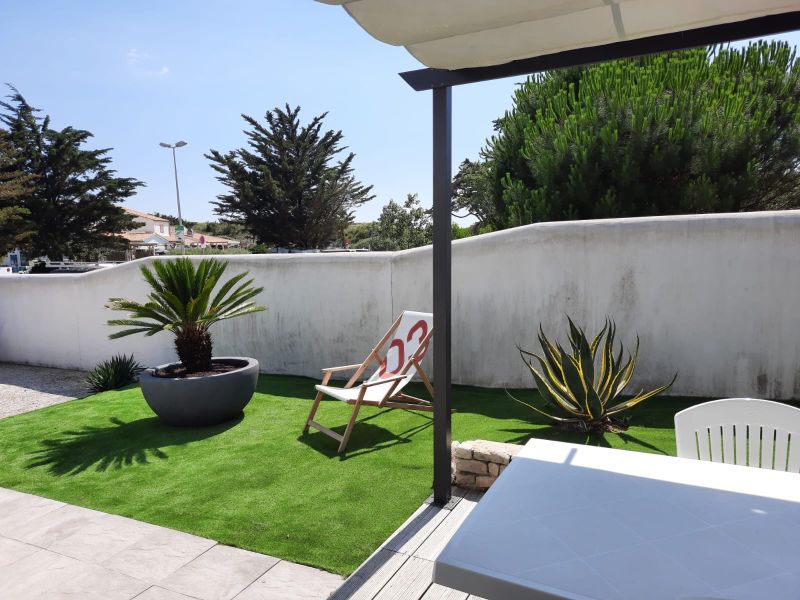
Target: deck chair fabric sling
(406, 343)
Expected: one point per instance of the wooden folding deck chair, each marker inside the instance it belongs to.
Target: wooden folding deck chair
(408, 340)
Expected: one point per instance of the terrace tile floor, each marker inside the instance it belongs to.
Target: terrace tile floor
(52, 550)
(402, 568)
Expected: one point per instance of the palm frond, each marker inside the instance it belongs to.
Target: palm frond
(182, 298)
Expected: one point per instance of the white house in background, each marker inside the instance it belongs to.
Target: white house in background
(156, 235)
(152, 233)
(148, 223)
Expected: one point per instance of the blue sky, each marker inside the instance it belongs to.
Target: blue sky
(138, 73)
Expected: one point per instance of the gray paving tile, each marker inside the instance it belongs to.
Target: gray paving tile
(34, 573)
(93, 582)
(13, 550)
(6, 495)
(158, 554)
(290, 581)
(219, 574)
(46, 575)
(159, 593)
(19, 509)
(102, 538)
(54, 526)
(55, 551)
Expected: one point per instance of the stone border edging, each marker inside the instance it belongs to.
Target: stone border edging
(478, 463)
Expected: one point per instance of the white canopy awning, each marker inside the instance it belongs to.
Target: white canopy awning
(455, 34)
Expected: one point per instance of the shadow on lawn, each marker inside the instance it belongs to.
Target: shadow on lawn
(657, 412)
(365, 439)
(575, 437)
(118, 445)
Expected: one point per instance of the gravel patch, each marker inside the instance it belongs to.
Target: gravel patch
(24, 388)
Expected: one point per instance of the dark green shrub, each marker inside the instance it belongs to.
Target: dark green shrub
(115, 373)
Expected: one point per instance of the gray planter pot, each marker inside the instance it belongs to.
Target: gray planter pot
(200, 401)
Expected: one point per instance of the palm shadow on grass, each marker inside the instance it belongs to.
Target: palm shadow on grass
(116, 446)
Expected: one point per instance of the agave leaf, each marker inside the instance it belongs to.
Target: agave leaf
(574, 381)
(596, 408)
(619, 374)
(585, 360)
(552, 376)
(640, 397)
(627, 372)
(618, 360)
(606, 366)
(598, 337)
(575, 335)
(541, 412)
(551, 353)
(553, 396)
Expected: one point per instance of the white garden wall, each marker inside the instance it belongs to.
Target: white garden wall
(716, 298)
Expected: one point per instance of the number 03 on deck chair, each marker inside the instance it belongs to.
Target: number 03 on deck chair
(405, 345)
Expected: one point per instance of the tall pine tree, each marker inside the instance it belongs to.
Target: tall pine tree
(73, 195)
(15, 226)
(698, 131)
(285, 187)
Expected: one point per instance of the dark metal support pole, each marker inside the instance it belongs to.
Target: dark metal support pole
(442, 232)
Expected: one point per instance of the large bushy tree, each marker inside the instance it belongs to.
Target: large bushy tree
(72, 195)
(15, 226)
(399, 227)
(287, 186)
(472, 195)
(696, 131)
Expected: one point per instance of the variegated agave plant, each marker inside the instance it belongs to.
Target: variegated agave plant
(580, 388)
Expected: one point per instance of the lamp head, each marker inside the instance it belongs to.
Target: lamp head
(180, 144)
(163, 145)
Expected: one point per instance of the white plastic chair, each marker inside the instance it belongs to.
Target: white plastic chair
(741, 431)
(406, 343)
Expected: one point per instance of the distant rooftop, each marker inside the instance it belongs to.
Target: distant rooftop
(144, 215)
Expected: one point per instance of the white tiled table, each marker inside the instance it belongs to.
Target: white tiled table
(581, 522)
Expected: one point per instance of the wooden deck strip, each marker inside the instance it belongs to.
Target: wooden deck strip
(410, 582)
(402, 568)
(370, 577)
(419, 526)
(439, 592)
(438, 539)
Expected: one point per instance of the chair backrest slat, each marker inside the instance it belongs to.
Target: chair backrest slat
(703, 451)
(728, 436)
(767, 447)
(409, 342)
(793, 458)
(715, 441)
(781, 449)
(742, 431)
(753, 445)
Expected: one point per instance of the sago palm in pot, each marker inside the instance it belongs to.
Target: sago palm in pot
(186, 298)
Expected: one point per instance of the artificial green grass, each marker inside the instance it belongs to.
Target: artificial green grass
(257, 483)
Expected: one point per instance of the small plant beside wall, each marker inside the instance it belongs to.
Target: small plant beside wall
(114, 373)
(581, 390)
(185, 301)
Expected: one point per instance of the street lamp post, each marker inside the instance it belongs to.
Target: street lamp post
(180, 144)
